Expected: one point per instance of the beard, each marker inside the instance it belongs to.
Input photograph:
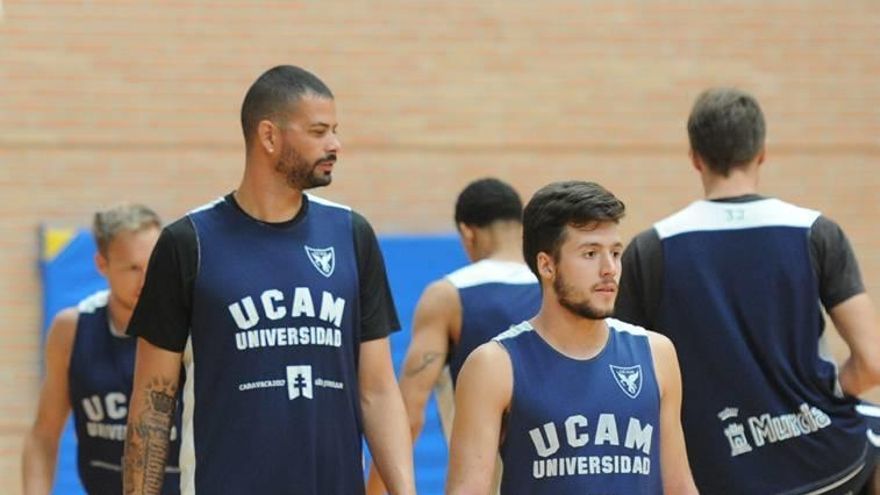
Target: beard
(574, 301)
(300, 173)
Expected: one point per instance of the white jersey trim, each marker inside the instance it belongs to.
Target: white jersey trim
(826, 355)
(311, 197)
(206, 206)
(106, 465)
(326, 202)
(868, 410)
(715, 216)
(514, 331)
(852, 474)
(94, 302)
(622, 326)
(613, 325)
(187, 460)
(492, 271)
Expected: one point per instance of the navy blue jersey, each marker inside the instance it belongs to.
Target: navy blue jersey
(762, 411)
(100, 377)
(494, 295)
(271, 402)
(590, 426)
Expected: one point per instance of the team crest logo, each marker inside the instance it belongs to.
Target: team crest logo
(324, 260)
(629, 378)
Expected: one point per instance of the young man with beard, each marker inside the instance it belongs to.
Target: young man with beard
(90, 363)
(578, 402)
(738, 282)
(278, 305)
(469, 306)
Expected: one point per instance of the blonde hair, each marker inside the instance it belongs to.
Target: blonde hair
(125, 217)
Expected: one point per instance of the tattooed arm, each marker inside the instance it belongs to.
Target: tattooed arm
(150, 417)
(437, 319)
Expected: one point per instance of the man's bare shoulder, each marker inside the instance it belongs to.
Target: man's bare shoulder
(490, 353)
(660, 343)
(439, 298)
(62, 331)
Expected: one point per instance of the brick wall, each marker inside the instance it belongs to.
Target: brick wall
(102, 101)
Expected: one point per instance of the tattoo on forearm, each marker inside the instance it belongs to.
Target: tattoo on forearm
(147, 438)
(427, 359)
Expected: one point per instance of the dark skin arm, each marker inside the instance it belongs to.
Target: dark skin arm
(436, 319)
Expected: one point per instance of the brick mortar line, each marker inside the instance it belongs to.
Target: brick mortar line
(612, 148)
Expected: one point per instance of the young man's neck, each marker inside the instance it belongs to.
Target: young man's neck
(570, 334)
(507, 253)
(739, 182)
(502, 242)
(119, 316)
(268, 199)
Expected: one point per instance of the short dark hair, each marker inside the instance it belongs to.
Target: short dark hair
(273, 93)
(488, 200)
(726, 129)
(125, 217)
(560, 204)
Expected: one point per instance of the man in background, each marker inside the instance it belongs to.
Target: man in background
(469, 306)
(90, 364)
(738, 281)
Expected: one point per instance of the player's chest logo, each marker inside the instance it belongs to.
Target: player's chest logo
(629, 378)
(323, 259)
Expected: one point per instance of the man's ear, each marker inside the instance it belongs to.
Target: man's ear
(268, 136)
(101, 263)
(696, 161)
(546, 266)
(466, 232)
(468, 237)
